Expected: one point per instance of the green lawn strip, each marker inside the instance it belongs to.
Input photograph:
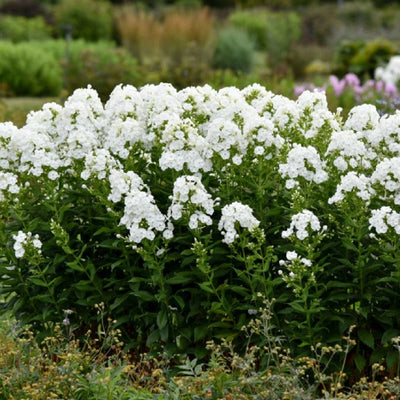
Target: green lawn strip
(16, 109)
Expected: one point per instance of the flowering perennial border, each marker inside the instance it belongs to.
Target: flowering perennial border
(198, 200)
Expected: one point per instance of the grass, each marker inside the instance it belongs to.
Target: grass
(16, 109)
(95, 367)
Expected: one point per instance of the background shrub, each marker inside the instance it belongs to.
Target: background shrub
(89, 19)
(363, 58)
(234, 50)
(29, 70)
(18, 29)
(25, 8)
(169, 36)
(102, 66)
(273, 32)
(312, 30)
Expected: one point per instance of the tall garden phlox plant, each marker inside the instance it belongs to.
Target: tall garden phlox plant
(182, 210)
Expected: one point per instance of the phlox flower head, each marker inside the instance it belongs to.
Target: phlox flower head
(383, 219)
(391, 72)
(235, 214)
(191, 199)
(8, 184)
(364, 117)
(298, 163)
(387, 176)
(302, 225)
(350, 151)
(23, 240)
(353, 182)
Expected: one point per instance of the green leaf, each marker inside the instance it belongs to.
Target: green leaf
(200, 332)
(153, 337)
(297, 306)
(37, 281)
(389, 334)
(366, 337)
(143, 295)
(162, 319)
(75, 266)
(360, 362)
(180, 278)
(206, 287)
(392, 358)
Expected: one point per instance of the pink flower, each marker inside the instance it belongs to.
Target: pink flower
(338, 85)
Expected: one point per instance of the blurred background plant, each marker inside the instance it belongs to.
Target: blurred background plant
(193, 42)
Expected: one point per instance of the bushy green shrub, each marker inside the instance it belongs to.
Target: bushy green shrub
(99, 64)
(359, 12)
(274, 32)
(234, 50)
(24, 8)
(255, 24)
(363, 58)
(318, 22)
(29, 70)
(89, 19)
(18, 29)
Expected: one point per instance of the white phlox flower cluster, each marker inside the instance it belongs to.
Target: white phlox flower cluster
(362, 119)
(390, 73)
(383, 219)
(236, 213)
(200, 103)
(353, 182)
(314, 115)
(226, 140)
(23, 240)
(126, 121)
(8, 183)
(32, 152)
(291, 257)
(303, 225)
(387, 176)
(386, 137)
(183, 145)
(349, 150)
(81, 124)
(191, 199)
(141, 214)
(286, 113)
(260, 99)
(98, 163)
(303, 162)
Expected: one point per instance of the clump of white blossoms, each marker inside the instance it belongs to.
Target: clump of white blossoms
(98, 163)
(296, 267)
(8, 184)
(302, 225)
(190, 199)
(363, 119)
(390, 73)
(349, 150)
(141, 215)
(303, 162)
(387, 176)
(315, 117)
(353, 182)
(23, 241)
(234, 214)
(384, 218)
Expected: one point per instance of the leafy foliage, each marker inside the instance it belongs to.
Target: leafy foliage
(28, 70)
(234, 50)
(177, 209)
(90, 20)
